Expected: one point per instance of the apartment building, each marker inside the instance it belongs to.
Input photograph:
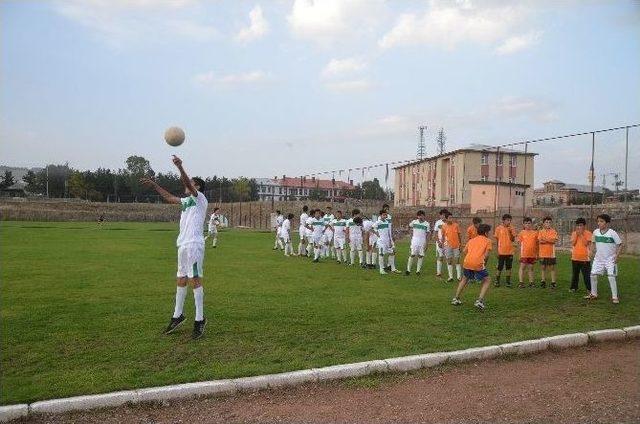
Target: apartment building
(287, 188)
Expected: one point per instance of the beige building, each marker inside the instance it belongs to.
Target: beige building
(467, 178)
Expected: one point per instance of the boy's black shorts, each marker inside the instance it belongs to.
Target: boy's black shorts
(505, 262)
(548, 261)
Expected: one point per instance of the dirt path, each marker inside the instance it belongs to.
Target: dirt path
(593, 384)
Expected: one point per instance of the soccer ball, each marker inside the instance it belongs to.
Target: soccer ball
(174, 136)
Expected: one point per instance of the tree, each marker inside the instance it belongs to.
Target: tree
(137, 167)
(57, 176)
(78, 186)
(253, 190)
(7, 180)
(241, 189)
(372, 190)
(36, 182)
(317, 194)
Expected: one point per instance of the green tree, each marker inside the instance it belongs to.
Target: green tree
(317, 194)
(138, 167)
(241, 189)
(57, 176)
(372, 190)
(7, 180)
(35, 181)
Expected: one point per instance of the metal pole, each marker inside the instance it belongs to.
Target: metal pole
(592, 175)
(47, 181)
(524, 180)
(495, 192)
(626, 165)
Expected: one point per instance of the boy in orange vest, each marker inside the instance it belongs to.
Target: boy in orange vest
(476, 252)
(505, 235)
(547, 238)
(580, 263)
(528, 239)
(472, 230)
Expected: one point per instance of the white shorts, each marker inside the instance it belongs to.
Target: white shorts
(328, 236)
(285, 236)
(213, 230)
(450, 252)
(356, 244)
(302, 232)
(190, 260)
(417, 249)
(439, 251)
(599, 267)
(317, 239)
(385, 247)
(339, 242)
(373, 240)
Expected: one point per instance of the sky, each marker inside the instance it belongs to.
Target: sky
(265, 88)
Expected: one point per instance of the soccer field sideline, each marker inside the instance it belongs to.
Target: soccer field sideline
(268, 313)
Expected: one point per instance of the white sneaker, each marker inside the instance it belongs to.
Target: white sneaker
(456, 302)
(383, 272)
(615, 300)
(479, 304)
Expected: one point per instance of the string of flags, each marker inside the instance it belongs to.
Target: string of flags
(363, 169)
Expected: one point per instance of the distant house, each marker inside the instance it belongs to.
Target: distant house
(287, 188)
(555, 192)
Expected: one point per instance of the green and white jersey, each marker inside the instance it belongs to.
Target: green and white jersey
(339, 226)
(192, 218)
(420, 231)
(355, 230)
(317, 226)
(383, 228)
(606, 244)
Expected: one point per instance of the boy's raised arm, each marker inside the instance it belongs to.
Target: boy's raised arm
(186, 181)
(168, 197)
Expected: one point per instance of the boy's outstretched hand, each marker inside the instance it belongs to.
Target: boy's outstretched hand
(147, 182)
(177, 161)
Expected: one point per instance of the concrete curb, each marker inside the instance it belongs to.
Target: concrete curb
(294, 378)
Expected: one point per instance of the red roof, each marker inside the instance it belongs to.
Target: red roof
(311, 183)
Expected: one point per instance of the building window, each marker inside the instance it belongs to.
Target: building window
(513, 161)
(484, 178)
(511, 179)
(484, 160)
(499, 159)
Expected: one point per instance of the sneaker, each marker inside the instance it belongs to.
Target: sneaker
(615, 300)
(438, 275)
(383, 272)
(198, 329)
(496, 284)
(388, 268)
(316, 260)
(396, 271)
(339, 262)
(533, 285)
(590, 297)
(521, 285)
(508, 285)
(449, 280)
(456, 302)
(407, 273)
(479, 304)
(543, 284)
(173, 324)
(553, 285)
(572, 290)
(418, 273)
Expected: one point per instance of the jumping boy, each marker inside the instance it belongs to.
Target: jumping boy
(580, 263)
(476, 253)
(214, 223)
(505, 234)
(302, 231)
(528, 239)
(338, 227)
(190, 246)
(472, 230)
(607, 245)
(419, 240)
(437, 229)
(547, 239)
(450, 241)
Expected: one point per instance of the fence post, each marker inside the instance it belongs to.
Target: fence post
(231, 215)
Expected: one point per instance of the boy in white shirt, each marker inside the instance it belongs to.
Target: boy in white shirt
(370, 241)
(419, 240)
(278, 226)
(285, 235)
(328, 248)
(214, 222)
(355, 236)
(317, 227)
(385, 244)
(338, 227)
(190, 246)
(437, 230)
(608, 245)
(302, 231)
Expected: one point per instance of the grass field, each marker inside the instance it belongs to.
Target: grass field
(83, 308)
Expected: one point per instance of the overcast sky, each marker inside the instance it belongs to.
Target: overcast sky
(266, 88)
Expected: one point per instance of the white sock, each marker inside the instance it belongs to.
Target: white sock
(459, 271)
(214, 243)
(360, 256)
(614, 286)
(352, 256)
(594, 284)
(381, 262)
(181, 295)
(374, 258)
(316, 253)
(438, 266)
(420, 258)
(392, 262)
(368, 258)
(198, 296)
(309, 249)
(450, 270)
(409, 263)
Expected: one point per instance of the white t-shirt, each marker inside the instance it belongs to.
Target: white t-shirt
(338, 226)
(383, 228)
(327, 218)
(437, 228)
(355, 231)
(194, 213)
(420, 231)
(367, 224)
(606, 244)
(317, 226)
(286, 227)
(303, 220)
(214, 221)
(279, 220)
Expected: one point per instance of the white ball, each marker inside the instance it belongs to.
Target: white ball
(174, 136)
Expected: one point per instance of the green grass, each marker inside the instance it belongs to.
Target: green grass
(83, 308)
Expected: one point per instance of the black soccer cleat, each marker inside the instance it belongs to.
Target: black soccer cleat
(198, 329)
(173, 324)
(418, 273)
(407, 273)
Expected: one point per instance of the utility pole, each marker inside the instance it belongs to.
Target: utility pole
(422, 148)
(441, 140)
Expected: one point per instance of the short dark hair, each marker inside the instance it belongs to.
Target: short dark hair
(527, 219)
(581, 221)
(420, 212)
(216, 209)
(443, 212)
(477, 220)
(338, 211)
(483, 229)
(382, 211)
(329, 207)
(506, 216)
(199, 182)
(605, 217)
(357, 220)
(385, 206)
(290, 216)
(278, 211)
(305, 208)
(547, 218)
(447, 214)
(355, 212)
